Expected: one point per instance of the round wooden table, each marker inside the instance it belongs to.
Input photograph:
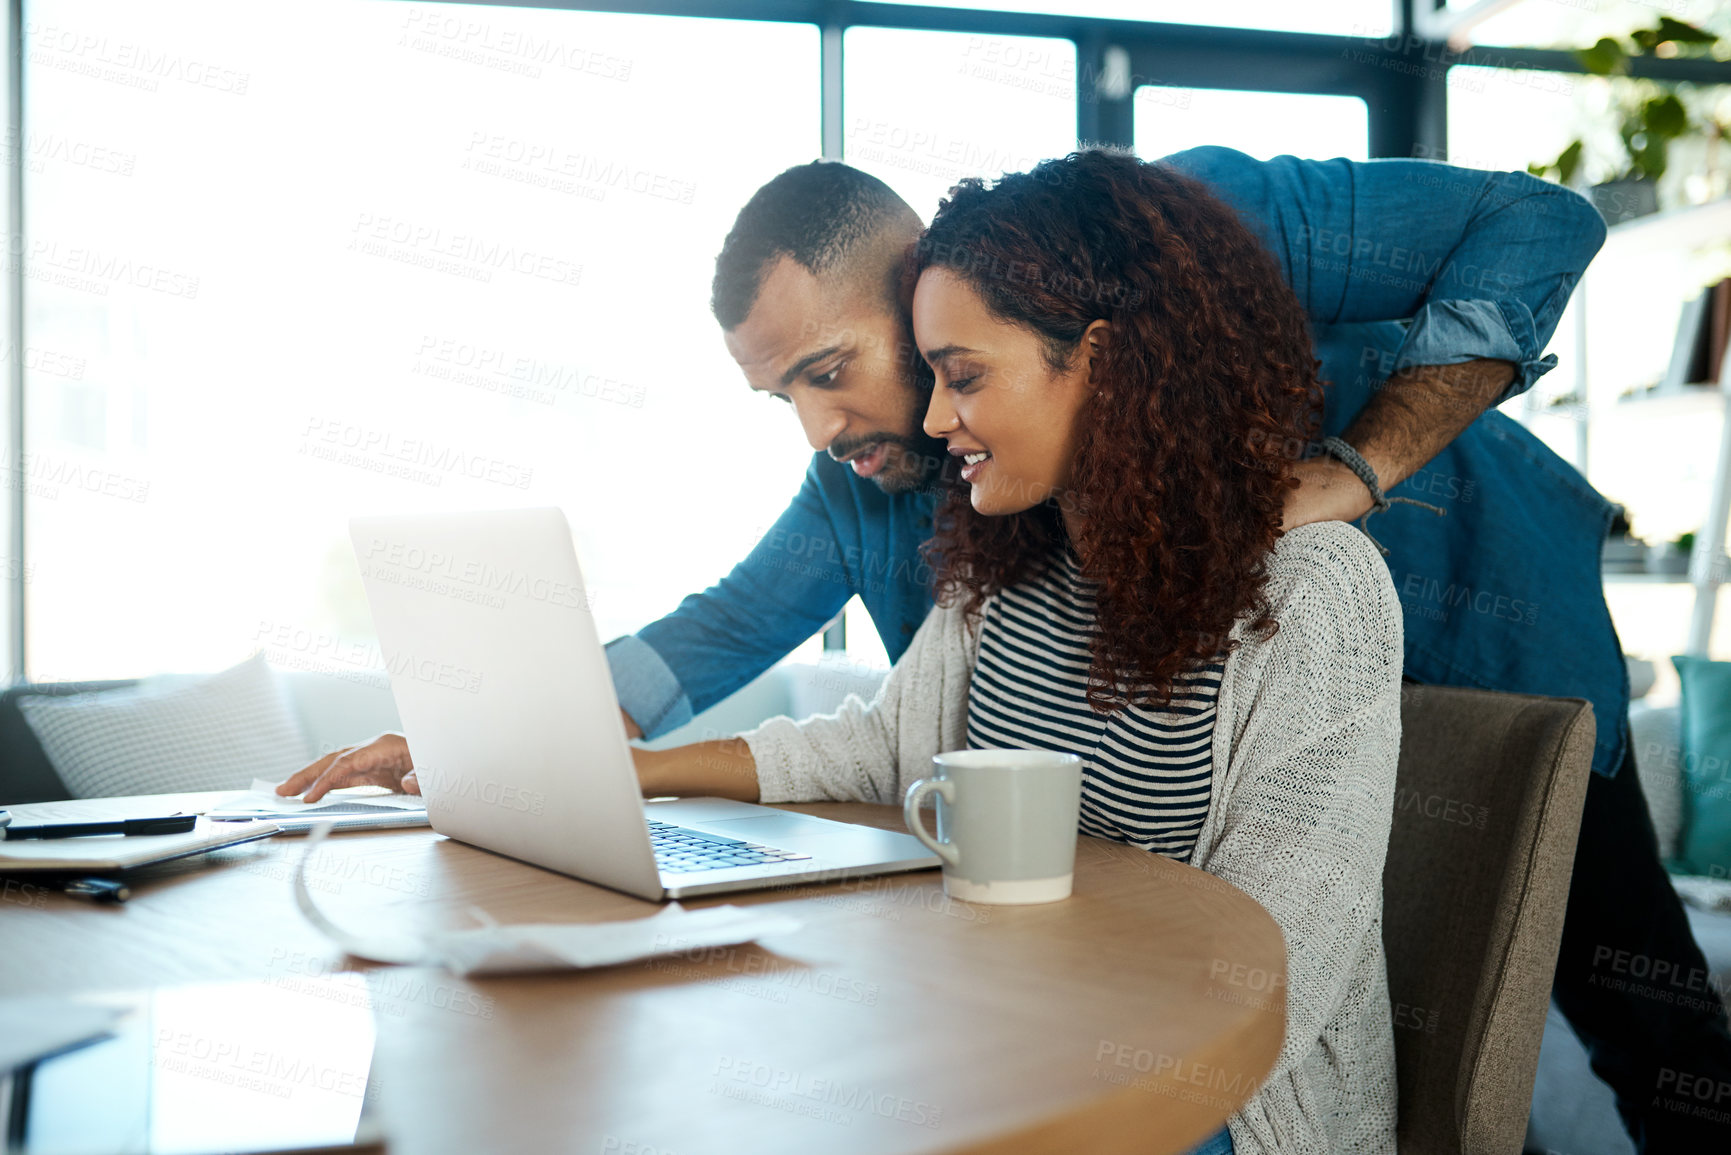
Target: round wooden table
(1135, 1016)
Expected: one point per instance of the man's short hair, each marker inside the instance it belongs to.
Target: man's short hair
(821, 214)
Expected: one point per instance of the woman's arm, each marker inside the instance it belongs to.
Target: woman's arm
(721, 768)
(859, 753)
(1309, 795)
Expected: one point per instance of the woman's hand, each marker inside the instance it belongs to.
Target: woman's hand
(384, 761)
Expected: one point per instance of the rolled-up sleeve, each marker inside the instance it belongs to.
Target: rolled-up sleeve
(1478, 264)
(647, 687)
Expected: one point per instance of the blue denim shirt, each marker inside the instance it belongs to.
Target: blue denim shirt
(1398, 263)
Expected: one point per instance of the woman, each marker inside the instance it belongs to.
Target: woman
(1118, 368)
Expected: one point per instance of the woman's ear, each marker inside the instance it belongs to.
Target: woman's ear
(1095, 339)
(1096, 336)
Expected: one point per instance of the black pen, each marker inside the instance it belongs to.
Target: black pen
(170, 824)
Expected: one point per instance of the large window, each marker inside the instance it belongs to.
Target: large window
(925, 109)
(280, 267)
(288, 265)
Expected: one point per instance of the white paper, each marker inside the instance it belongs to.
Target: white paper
(493, 950)
(263, 797)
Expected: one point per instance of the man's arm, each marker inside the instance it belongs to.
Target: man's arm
(718, 640)
(1480, 264)
(1411, 419)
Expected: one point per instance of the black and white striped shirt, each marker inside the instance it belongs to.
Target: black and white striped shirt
(1147, 772)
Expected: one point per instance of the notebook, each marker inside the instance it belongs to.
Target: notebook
(106, 853)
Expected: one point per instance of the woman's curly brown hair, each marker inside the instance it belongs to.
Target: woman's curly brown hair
(1184, 460)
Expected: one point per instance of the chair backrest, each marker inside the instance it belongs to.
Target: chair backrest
(1487, 808)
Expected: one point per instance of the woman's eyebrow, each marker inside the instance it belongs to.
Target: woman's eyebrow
(933, 356)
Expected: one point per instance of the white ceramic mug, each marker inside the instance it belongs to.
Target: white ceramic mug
(1006, 823)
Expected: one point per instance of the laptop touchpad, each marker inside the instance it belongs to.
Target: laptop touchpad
(778, 829)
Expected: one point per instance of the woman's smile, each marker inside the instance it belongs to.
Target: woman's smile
(973, 462)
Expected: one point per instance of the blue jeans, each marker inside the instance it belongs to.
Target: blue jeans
(1220, 1144)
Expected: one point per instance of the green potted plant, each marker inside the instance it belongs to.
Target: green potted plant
(1651, 118)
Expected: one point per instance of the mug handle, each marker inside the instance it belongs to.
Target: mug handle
(911, 814)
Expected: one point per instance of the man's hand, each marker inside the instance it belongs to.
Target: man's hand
(1408, 420)
(382, 762)
(1327, 491)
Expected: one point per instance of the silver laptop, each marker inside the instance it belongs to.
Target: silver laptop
(508, 706)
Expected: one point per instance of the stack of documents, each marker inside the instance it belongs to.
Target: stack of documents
(362, 808)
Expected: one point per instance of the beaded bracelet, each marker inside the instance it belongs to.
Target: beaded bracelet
(1380, 501)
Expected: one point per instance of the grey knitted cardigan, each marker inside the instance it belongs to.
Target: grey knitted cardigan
(1306, 740)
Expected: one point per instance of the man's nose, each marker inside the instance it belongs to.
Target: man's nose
(940, 415)
(822, 422)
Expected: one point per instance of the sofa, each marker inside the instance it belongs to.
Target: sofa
(329, 709)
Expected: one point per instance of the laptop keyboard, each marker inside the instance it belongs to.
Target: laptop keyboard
(680, 851)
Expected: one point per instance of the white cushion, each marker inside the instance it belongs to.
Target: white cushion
(214, 733)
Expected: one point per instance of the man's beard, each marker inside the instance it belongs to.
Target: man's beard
(914, 464)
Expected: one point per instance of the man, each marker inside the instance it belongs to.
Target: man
(1433, 290)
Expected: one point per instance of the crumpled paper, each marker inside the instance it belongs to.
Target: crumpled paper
(495, 949)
